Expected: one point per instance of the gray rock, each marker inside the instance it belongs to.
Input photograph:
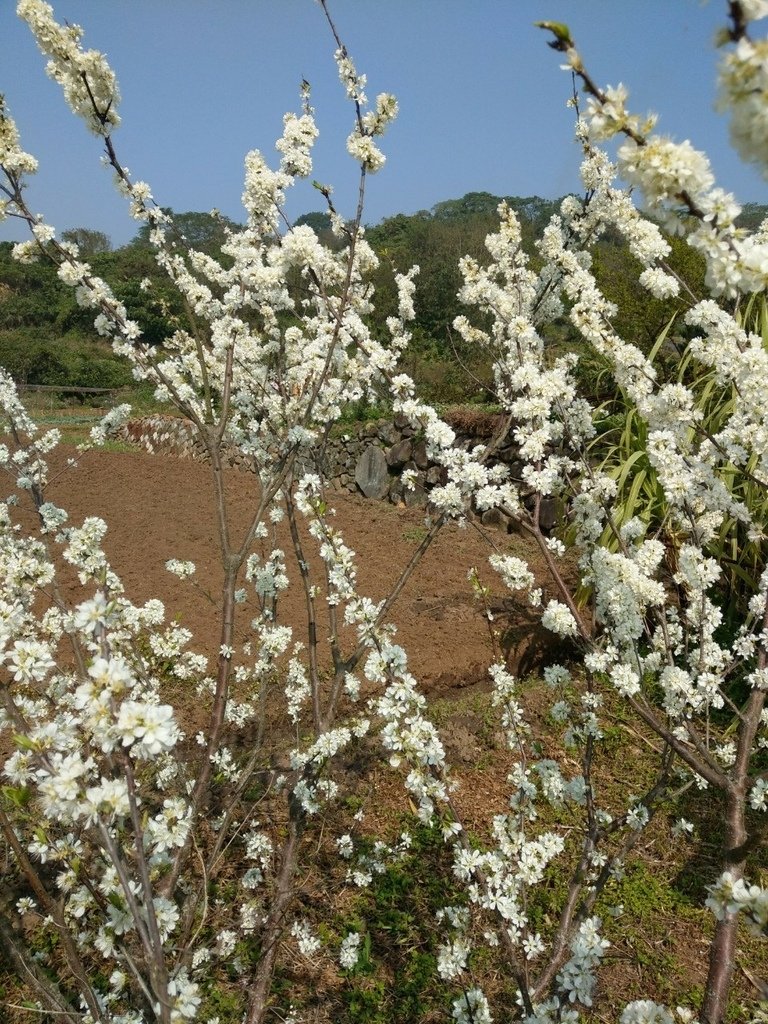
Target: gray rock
(493, 517)
(508, 453)
(420, 454)
(399, 454)
(416, 495)
(548, 514)
(371, 473)
(388, 434)
(396, 490)
(548, 510)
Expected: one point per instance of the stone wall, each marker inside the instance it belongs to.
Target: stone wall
(367, 458)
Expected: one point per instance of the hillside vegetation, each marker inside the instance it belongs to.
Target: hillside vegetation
(47, 339)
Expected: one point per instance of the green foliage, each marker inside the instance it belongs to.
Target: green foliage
(447, 370)
(47, 338)
(533, 211)
(640, 317)
(30, 294)
(32, 358)
(621, 451)
(469, 206)
(436, 240)
(89, 242)
(205, 232)
(643, 892)
(398, 910)
(559, 30)
(362, 411)
(318, 221)
(752, 216)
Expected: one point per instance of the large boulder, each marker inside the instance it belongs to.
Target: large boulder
(372, 473)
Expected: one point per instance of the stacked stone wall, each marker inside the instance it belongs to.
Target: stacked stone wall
(367, 458)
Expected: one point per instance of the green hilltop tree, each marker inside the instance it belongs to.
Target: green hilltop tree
(89, 242)
(205, 232)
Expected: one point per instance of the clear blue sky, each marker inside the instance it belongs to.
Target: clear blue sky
(482, 99)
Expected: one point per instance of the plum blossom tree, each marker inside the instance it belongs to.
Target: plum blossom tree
(115, 824)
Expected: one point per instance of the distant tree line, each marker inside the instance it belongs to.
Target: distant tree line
(46, 338)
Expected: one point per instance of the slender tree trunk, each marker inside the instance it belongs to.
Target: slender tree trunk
(258, 1002)
(722, 952)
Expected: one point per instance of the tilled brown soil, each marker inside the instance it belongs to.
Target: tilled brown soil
(159, 507)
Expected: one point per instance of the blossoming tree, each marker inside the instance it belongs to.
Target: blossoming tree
(115, 824)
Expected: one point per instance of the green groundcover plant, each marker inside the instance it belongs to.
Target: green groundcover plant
(153, 876)
(621, 448)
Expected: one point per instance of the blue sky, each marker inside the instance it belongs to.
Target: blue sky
(482, 99)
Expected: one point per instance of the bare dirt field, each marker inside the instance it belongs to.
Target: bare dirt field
(159, 507)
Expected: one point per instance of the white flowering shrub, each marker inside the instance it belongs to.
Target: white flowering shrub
(115, 823)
